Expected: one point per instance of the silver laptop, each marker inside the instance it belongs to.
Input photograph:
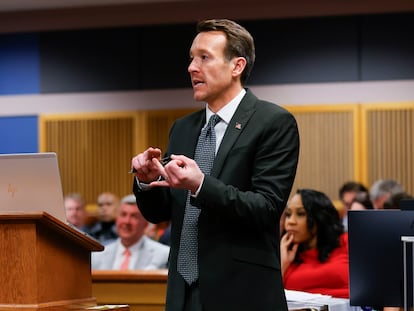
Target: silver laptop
(30, 182)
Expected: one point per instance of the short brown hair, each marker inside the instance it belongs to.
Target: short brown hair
(240, 42)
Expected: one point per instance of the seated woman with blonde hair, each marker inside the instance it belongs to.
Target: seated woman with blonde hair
(314, 247)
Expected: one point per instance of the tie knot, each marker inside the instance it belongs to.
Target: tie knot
(127, 252)
(214, 119)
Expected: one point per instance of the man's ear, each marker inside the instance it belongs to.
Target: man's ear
(239, 63)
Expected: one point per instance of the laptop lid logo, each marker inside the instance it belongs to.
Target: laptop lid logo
(11, 190)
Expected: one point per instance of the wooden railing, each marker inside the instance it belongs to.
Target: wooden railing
(141, 290)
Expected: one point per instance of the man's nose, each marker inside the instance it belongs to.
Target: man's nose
(192, 66)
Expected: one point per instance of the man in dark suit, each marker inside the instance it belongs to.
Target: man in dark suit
(240, 201)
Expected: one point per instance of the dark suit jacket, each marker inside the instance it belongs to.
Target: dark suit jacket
(241, 203)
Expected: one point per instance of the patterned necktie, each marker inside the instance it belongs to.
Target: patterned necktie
(188, 252)
(125, 263)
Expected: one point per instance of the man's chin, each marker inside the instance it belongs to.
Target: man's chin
(199, 97)
(128, 240)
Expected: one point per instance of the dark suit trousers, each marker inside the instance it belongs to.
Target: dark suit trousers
(192, 298)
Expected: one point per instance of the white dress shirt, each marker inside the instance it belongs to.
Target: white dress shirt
(225, 113)
(120, 251)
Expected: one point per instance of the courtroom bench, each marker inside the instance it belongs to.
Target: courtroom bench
(140, 289)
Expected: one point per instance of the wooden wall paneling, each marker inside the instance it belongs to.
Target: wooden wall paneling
(140, 142)
(328, 147)
(94, 151)
(363, 160)
(410, 165)
(159, 123)
(338, 143)
(158, 128)
(359, 148)
(389, 136)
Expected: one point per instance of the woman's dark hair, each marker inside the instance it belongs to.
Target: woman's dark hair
(321, 213)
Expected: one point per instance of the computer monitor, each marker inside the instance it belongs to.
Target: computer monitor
(376, 266)
(407, 204)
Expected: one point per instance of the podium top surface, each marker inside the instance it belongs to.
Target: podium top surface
(55, 224)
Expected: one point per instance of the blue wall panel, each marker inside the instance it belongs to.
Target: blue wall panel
(90, 60)
(19, 64)
(387, 47)
(19, 134)
(309, 50)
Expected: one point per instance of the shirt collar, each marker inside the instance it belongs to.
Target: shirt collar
(133, 248)
(227, 112)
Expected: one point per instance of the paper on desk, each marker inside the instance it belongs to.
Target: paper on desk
(308, 299)
(109, 307)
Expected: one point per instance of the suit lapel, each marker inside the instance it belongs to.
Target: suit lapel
(192, 136)
(235, 127)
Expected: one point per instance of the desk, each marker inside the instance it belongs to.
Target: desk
(298, 300)
(140, 289)
(145, 291)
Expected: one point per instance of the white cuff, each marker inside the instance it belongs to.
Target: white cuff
(198, 189)
(144, 186)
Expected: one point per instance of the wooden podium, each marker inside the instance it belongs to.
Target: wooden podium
(44, 264)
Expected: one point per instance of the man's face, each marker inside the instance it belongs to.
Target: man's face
(211, 73)
(348, 198)
(75, 212)
(107, 207)
(130, 224)
(379, 202)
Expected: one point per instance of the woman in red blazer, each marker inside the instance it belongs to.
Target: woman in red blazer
(314, 249)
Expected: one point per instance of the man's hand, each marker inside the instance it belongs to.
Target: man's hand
(182, 173)
(147, 166)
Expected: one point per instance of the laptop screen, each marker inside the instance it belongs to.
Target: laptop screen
(30, 182)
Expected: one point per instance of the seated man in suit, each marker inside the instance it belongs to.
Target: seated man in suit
(132, 250)
(75, 210)
(104, 230)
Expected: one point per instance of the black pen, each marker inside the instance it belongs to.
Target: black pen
(164, 161)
